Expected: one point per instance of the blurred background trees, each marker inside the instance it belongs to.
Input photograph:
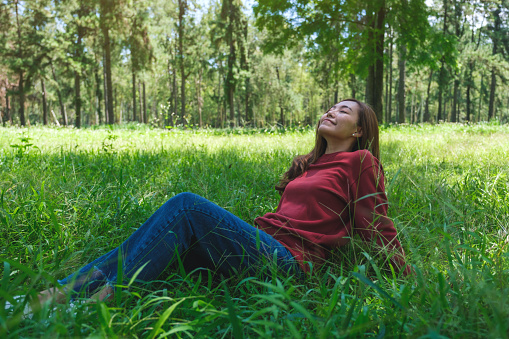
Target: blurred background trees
(227, 63)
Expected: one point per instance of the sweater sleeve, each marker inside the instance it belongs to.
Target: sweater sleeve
(369, 211)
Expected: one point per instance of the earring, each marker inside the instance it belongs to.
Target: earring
(353, 135)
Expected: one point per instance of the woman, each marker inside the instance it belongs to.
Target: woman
(326, 196)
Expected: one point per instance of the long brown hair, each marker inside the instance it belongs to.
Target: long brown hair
(369, 140)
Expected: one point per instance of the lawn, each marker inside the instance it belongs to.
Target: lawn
(68, 196)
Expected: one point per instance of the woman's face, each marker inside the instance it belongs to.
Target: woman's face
(339, 123)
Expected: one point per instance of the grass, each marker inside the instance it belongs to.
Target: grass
(67, 196)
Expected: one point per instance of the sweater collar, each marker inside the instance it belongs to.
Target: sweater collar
(330, 156)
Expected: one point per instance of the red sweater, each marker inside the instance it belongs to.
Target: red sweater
(341, 194)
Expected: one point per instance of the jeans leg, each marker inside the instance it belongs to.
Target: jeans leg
(88, 278)
(187, 225)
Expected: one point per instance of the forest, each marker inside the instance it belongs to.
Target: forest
(267, 63)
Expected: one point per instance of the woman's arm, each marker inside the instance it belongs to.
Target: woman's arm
(370, 213)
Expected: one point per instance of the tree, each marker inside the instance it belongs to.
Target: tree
(140, 48)
(442, 77)
(181, 54)
(375, 43)
(83, 17)
(107, 10)
(500, 39)
(356, 28)
(21, 47)
(231, 14)
(409, 21)
(231, 29)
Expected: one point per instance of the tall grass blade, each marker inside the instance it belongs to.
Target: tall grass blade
(378, 289)
(234, 320)
(162, 319)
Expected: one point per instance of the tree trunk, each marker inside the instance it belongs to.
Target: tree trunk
(219, 85)
(353, 85)
(44, 104)
(426, 106)
(66, 120)
(445, 105)
(459, 33)
(155, 109)
(182, 4)
(182, 95)
(374, 82)
(401, 84)
(106, 10)
(105, 91)
(199, 98)
(230, 81)
(386, 101)
(122, 114)
(115, 104)
(140, 120)
(389, 100)
(421, 109)
(134, 95)
(59, 95)
(370, 80)
(145, 120)
(282, 116)
(495, 38)
(21, 91)
(455, 93)
(175, 96)
(468, 103)
(442, 75)
(412, 107)
(249, 116)
(109, 86)
(7, 110)
(244, 61)
(77, 74)
(441, 85)
(231, 106)
(493, 86)
(21, 100)
(77, 98)
(379, 63)
(469, 88)
(55, 118)
(480, 97)
(168, 117)
(98, 95)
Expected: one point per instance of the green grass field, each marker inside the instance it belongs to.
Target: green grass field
(68, 196)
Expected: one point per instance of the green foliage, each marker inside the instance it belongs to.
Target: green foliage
(75, 194)
(200, 60)
(23, 147)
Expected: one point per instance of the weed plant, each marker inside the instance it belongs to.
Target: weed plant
(68, 196)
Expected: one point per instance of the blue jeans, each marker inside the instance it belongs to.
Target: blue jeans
(200, 232)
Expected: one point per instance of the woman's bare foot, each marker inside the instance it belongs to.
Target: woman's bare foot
(56, 294)
(105, 294)
(53, 293)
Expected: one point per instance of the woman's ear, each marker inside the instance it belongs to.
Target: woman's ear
(358, 134)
